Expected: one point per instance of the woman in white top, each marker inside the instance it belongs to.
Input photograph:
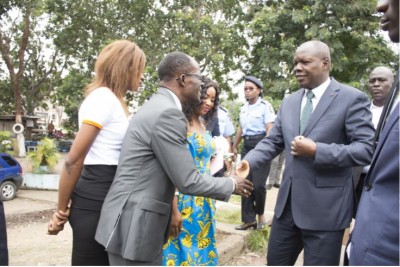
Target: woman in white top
(90, 166)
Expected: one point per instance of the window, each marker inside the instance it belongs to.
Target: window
(9, 161)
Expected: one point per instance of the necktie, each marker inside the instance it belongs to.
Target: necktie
(307, 110)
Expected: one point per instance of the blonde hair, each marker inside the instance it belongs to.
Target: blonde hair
(119, 67)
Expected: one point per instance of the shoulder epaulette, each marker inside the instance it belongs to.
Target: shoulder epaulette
(224, 109)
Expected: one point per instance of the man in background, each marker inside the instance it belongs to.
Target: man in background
(379, 84)
(375, 238)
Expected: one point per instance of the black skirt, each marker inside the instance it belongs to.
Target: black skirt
(92, 187)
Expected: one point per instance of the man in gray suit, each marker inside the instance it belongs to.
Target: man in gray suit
(135, 217)
(325, 129)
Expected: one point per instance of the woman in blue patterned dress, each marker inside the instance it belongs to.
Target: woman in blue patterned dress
(192, 240)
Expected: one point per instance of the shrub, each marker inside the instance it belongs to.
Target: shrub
(45, 155)
(6, 143)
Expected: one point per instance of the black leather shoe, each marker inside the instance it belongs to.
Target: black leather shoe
(246, 226)
(276, 185)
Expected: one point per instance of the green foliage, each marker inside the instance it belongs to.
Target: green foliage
(211, 31)
(70, 94)
(257, 240)
(45, 155)
(348, 27)
(6, 98)
(33, 63)
(235, 199)
(6, 143)
(224, 36)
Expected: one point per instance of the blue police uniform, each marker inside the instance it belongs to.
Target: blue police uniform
(224, 122)
(253, 118)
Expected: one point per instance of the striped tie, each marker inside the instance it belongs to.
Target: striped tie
(307, 110)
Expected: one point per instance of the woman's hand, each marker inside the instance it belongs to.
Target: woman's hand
(55, 225)
(176, 219)
(176, 223)
(58, 220)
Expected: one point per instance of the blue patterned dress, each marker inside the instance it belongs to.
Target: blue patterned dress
(196, 243)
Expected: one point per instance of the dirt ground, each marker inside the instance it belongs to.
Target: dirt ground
(248, 258)
(29, 244)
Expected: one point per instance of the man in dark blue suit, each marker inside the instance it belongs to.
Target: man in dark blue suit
(375, 238)
(324, 129)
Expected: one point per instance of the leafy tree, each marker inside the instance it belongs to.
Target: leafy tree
(13, 55)
(350, 29)
(33, 64)
(211, 31)
(70, 94)
(6, 98)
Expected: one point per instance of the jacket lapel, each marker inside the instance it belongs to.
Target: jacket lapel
(392, 118)
(296, 110)
(323, 104)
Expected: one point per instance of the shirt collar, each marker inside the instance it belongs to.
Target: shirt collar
(255, 104)
(320, 90)
(176, 99)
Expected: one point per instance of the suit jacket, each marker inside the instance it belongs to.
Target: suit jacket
(321, 188)
(154, 160)
(375, 238)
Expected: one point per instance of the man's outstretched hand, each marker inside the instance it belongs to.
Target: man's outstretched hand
(243, 186)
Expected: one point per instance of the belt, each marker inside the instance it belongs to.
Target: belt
(253, 137)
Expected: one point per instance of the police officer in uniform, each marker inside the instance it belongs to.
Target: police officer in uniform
(256, 120)
(225, 125)
(225, 129)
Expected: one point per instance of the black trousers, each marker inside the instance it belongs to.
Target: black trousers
(3, 237)
(86, 251)
(117, 260)
(286, 241)
(255, 203)
(87, 200)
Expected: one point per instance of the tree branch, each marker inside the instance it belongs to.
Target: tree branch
(24, 43)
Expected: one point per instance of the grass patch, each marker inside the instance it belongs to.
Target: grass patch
(228, 216)
(257, 240)
(235, 199)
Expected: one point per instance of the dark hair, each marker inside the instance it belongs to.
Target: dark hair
(172, 64)
(190, 109)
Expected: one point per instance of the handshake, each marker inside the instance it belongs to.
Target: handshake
(239, 173)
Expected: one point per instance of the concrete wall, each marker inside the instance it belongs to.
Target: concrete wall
(40, 181)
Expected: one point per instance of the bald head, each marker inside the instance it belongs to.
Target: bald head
(312, 64)
(382, 70)
(316, 48)
(379, 84)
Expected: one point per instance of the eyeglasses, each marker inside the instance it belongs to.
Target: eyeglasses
(198, 76)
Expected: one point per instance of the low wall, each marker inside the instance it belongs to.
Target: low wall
(40, 181)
